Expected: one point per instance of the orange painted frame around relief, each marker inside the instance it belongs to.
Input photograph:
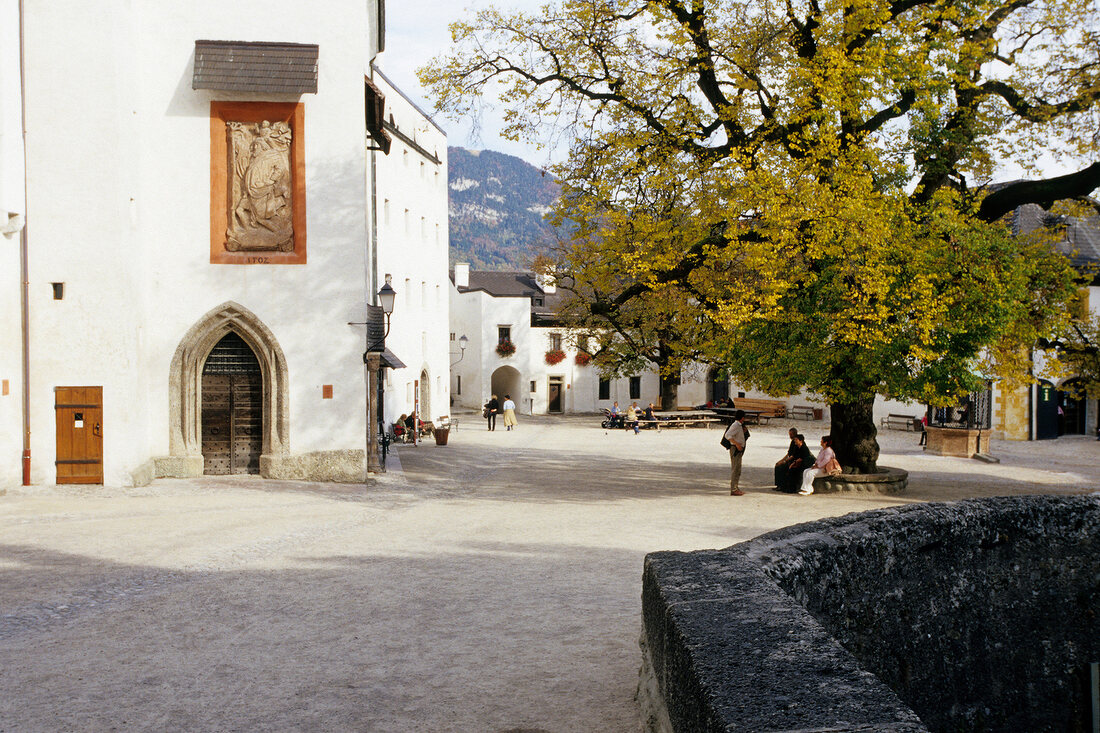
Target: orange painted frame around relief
(222, 112)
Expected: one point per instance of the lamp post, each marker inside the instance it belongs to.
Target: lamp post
(372, 357)
(462, 343)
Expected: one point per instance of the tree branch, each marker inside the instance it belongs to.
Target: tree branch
(1045, 192)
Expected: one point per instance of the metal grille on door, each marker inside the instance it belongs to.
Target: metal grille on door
(232, 408)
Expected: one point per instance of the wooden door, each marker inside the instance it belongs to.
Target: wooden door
(232, 409)
(554, 395)
(79, 417)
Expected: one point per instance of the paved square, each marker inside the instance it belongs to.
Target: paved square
(489, 585)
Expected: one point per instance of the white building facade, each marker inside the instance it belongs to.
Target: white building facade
(411, 232)
(199, 240)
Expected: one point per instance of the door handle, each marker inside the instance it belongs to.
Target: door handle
(96, 430)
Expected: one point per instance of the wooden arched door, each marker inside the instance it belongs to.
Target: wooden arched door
(232, 408)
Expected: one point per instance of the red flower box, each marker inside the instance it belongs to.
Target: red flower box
(555, 356)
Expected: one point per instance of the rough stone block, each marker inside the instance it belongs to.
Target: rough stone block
(977, 615)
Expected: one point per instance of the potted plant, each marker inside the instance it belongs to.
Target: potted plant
(506, 348)
(555, 356)
(582, 358)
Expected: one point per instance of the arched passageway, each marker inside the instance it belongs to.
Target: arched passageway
(506, 381)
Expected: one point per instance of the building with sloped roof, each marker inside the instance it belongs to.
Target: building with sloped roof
(546, 373)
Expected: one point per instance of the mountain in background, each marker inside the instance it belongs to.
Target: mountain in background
(497, 203)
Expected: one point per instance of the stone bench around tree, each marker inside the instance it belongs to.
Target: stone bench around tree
(977, 614)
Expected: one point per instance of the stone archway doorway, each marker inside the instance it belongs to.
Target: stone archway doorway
(425, 396)
(185, 402)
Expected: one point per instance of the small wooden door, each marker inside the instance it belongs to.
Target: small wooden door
(554, 395)
(79, 416)
(232, 409)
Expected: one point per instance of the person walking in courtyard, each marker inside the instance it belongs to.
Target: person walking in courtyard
(820, 467)
(783, 465)
(509, 413)
(737, 436)
(492, 407)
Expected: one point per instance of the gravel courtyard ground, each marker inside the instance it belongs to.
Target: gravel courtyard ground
(489, 585)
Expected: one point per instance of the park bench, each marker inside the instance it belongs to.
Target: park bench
(764, 407)
(802, 412)
(893, 421)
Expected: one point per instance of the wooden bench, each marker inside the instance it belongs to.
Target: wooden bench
(893, 421)
(769, 408)
(802, 412)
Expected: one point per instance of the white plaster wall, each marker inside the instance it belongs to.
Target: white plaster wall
(413, 245)
(11, 202)
(119, 188)
(466, 321)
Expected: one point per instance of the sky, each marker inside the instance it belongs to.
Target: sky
(416, 32)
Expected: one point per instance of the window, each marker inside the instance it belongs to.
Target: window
(458, 383)
(504, 333)
(452, 335)
(555, 342)
(408, 292)
(635, 388)
(605, 389)
(533, 389)
(536, 300)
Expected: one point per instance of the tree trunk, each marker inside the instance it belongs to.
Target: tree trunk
(853, 430)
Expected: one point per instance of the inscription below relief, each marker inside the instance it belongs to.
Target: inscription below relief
(260, 192)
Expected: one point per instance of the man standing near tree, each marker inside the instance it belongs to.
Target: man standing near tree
(737, 436)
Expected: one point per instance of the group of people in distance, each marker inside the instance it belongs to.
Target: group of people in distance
(795, 472)
(494, 406)
(633, 416)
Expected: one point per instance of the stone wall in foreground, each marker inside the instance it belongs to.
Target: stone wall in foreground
(974, 615)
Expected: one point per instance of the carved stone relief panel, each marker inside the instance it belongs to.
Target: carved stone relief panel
(260, 201)
(257, 183)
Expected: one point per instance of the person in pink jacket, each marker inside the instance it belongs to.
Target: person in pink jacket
(824, 458)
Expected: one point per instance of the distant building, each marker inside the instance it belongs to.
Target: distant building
(491, 307)
(1050, 409)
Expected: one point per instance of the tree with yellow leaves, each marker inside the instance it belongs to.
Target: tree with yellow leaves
(830, 156)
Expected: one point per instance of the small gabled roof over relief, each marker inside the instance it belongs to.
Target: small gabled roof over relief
(247, 66)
